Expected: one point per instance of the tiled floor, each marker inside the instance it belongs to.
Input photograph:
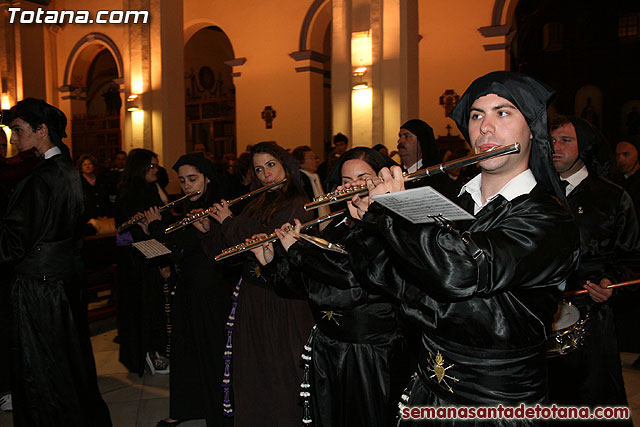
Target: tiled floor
(141, 402)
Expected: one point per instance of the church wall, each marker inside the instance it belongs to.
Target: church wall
(452, 54)
(264, 33)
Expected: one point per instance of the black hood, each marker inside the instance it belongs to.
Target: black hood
(531, 97)
(593, 148)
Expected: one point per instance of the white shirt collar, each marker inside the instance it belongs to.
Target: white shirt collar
(52, 152)
(414, 167)
(575, 179)
(519, 185)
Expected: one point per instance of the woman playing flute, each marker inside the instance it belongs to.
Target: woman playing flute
(268, 331)
(355, 357)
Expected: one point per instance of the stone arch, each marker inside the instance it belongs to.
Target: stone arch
(314, 57)
(320, 10)
(210, 101)
(81, 57)
(102, 140)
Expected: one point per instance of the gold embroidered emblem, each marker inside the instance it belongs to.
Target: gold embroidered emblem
(332, 315)
(256, 271)
(439, 371)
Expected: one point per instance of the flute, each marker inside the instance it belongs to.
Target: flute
(254, 243)
(136, 219)
(346, 194)
(197, 216)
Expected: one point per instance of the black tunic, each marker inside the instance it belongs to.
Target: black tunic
(610, 241)
(199, 310)
(53, 372)
(484, 303)
(626, 306)
(357, 361)
(269, 332)
(141, 315)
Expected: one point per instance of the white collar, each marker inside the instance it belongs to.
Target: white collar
(575, 179)
(52, 152)
(414, 167)
(521, 184)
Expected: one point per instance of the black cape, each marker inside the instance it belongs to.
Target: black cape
(53, 374)
(358, 356)
(484, 300)
(269, 332)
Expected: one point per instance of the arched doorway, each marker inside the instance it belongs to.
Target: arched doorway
(209, 93)
(315, 44)
(93, 78)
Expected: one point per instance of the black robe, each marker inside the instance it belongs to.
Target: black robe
(269, 332)
(358, 365)
(199, 308)
(140, 311)
(53, 371)
(484, 300)
(626, 306)
(609, 241)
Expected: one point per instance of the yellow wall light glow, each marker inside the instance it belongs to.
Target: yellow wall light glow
(137, 116)
(361, 49)
(362, 97)
(5, 102)
(136, 85)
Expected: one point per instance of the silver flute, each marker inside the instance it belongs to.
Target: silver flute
(136, 219)
(254, 243)
(197, 216)
(347, 194)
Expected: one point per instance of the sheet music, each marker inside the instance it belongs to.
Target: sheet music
(421, 205)
(151, 248)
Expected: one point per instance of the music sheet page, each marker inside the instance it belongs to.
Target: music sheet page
(421, 205)
(151, 248)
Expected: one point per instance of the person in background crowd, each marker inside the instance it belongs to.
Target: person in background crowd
(628, 163)
(95, 198)
(141, 318)
(309, 162)
(53, 374)
(199, 147)
(609, 239)
(418, 149)
(626, 307)
(340, 145)
(111, 178)
(381, 149)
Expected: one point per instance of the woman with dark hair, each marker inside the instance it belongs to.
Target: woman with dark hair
(269, 331)
(95, 199)
(141, 319)
(354, 354)
(200, 302)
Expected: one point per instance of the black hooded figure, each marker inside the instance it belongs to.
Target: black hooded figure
(631, 183)
(53, 371)
(355, 358)
(429, 150)
(483, 292)
(200, 304)
(610, 244)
